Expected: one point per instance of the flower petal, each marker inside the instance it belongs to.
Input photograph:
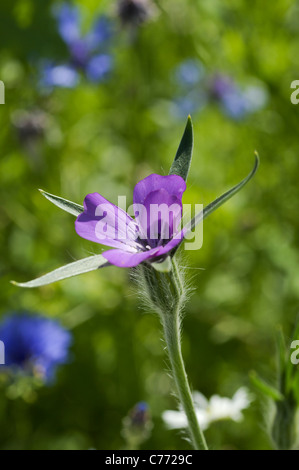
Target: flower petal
(64, 76)
(173, 184)
(124, 259)
(100, 33)
(159, 216)
(68, 18)
(99, 67)
(103, 222)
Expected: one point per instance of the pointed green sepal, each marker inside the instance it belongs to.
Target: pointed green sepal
(182, 160)
(69, 270)
(64, 204)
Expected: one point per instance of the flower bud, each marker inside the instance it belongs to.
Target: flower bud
(137, 425)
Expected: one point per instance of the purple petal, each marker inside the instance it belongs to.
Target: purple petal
(173, 184)
(123, 259)
(99, 67)
(103, 222)
(68, 18)
(159, 216)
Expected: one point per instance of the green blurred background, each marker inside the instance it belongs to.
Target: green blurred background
(105, 138)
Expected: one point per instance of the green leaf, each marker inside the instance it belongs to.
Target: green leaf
(265, 388)
(182, 160)
(68, 206)
(73, 269)
(221, 199)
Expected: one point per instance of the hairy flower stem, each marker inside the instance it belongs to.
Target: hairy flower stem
(167, 293)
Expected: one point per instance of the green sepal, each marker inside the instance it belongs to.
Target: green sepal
(182, 160)
(69, 270)
(64, 204)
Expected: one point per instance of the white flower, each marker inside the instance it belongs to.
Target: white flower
(209, 411)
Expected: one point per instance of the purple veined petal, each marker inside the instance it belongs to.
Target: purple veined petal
(63, 76)
(69, 24)
(159, 216)
(99, 67)
(103, 222)
(100, 33)
(173, 184)
(123, 259)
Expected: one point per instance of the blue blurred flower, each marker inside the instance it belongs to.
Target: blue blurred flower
(98, 67)
(63, 76)
(34, 344)
(69, 25)
(234, 101)
(189, 72)
(197, 89)
(88, 52)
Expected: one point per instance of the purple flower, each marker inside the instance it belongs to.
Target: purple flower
(34, 344)
(157, 203)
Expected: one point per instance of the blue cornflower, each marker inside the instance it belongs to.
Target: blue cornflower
(88, 52)
(34, 344)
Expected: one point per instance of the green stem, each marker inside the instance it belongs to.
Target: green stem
(166, 293)
(171, 327)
